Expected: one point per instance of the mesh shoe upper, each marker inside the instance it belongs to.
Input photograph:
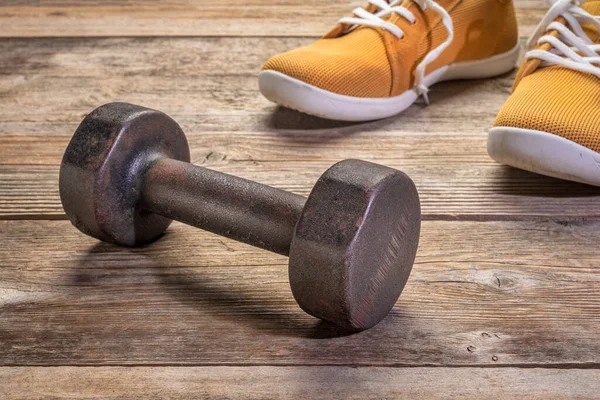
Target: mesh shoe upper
(373, 63)
(556, 99)
(559, 101)
(333, 64)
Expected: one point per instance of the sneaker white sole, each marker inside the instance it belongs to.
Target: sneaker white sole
(544, 153)
(293, 93)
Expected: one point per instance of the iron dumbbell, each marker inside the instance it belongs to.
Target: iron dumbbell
(126, 175)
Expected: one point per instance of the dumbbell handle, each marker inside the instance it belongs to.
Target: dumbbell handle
(237, 208)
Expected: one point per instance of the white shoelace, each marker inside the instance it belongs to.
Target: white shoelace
(573, 48)
(365, 18)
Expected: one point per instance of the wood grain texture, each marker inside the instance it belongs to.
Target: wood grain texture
(448, 191)
(48, 85)
(481, 294)
(50, 18)
(297, 383)
(507, 273)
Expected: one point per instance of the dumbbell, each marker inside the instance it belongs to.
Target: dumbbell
(126, 174)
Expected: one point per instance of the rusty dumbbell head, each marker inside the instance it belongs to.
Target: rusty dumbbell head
(355, 243)
(125, 176)
(103, 168)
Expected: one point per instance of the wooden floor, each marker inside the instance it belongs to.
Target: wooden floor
(504, 300)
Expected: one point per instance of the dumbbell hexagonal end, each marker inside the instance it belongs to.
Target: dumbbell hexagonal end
(103, 167)
(355, 244)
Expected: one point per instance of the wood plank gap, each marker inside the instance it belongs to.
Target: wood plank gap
(560, 219)
(34, 217)
(315, 37)
(572, 366)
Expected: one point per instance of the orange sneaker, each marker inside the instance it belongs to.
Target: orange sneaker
(551, 122)
(376, 63)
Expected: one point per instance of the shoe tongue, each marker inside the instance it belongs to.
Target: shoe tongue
(339, 29)
(528, 67)
(593, 7)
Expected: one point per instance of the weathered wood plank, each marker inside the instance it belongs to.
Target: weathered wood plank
(191, 18)
(52, 81)
(481, 294)
(47, 87)
(297, 383)
(448, 190)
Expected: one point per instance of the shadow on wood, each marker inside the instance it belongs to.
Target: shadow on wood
(517, 182)
(219, 298)
(300, 127)
(307, 129)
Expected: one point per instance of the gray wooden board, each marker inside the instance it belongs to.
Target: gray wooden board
(481, 294)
